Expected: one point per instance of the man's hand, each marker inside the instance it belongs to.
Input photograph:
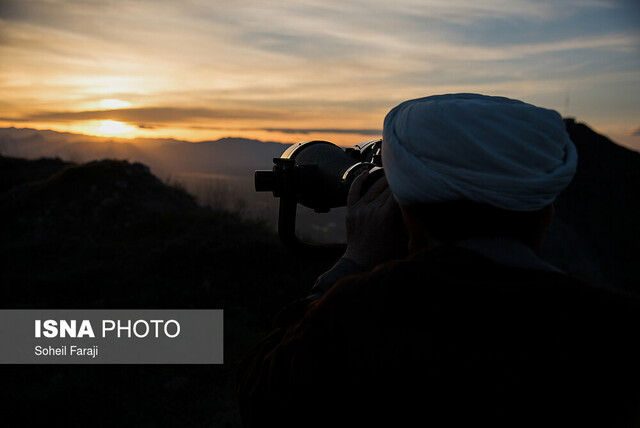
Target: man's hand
(375, 231)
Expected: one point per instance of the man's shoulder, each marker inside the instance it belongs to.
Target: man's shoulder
(450, 266)
(451, 276)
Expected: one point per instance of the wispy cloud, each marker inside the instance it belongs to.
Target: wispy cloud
(152, 115)
(316, 64)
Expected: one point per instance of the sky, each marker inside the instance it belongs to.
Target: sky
(296, 70)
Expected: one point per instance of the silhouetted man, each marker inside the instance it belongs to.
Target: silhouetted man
(440, 313)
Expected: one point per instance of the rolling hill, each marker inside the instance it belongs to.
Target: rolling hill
(108, 234)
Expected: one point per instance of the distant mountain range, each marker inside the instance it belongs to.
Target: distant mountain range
(594, 234)
(228, 156)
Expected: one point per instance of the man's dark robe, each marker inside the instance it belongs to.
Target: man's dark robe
(448, 337)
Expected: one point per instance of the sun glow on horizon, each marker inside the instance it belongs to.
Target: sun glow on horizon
(113, 127)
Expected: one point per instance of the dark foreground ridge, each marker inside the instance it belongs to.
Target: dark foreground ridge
(108, 234)
(593, 234)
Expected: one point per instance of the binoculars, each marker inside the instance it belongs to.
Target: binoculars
(316, 174)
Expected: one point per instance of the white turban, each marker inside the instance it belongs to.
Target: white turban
(491, 150)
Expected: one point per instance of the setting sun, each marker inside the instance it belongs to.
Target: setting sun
(112, 127)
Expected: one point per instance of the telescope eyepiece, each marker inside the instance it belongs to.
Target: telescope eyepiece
(317, 174)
